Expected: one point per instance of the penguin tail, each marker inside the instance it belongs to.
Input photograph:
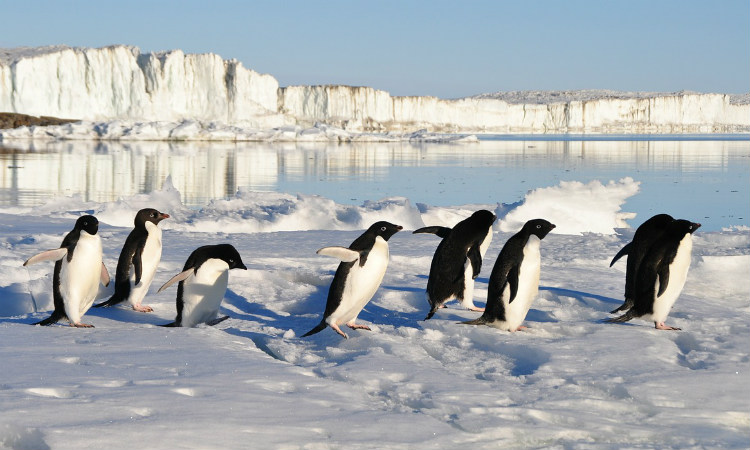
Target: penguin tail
(115, 299)
(320, 327)
(477, 321)
(624, 307)
(54, 318)
(430, 314)
(173, 324)
(623, 318)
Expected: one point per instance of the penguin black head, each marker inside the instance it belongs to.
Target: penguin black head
(682, 227)
(483, 217)
(384, 229)
(149, 215)
(230, 255)
(538, 227)
(89, 224)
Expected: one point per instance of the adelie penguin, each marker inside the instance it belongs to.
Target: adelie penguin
(357, 278)
(203, 283)
(647, 233)
(138, 261)
(458, 260)
(77, 274)
(514, 281)
(662, 274)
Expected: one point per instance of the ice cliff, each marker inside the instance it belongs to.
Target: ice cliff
(120, 83)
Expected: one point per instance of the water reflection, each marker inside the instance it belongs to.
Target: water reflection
(436, 174)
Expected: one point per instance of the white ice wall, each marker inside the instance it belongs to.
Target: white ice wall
(121, 83)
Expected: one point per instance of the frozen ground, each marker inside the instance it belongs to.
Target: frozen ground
(569, 381)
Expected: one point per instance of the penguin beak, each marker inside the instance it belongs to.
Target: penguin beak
(240, 266)
(163, 216)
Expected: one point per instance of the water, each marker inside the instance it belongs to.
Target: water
(701, 178)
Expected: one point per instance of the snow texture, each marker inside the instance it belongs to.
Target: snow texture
(119, 83)
(568, 381)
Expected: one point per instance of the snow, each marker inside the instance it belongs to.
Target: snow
(119, 83)
(569, 381)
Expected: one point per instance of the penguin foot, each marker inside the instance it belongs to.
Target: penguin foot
(141, 308)
(81, 325)
(521, 328)
(354, 326)
(476, 309)
(338, 330)
(662, 326)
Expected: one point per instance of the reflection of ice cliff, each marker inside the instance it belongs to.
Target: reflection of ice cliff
(121, 83)
(104, 171)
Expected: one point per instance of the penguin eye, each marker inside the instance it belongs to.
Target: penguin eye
(382, 228)
(231, 261)
(539, 226)
(153, 215)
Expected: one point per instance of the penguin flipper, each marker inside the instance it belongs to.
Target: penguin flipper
(184, 275)
(104, 276)
(441, 232)
(342, 253)
(513, 283)
(475, 258)
(320, 327)
(623, 251)
(49, 255)
(138, 264)
(663, 280)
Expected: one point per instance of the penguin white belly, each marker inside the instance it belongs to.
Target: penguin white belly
(468, 298)
(149, 262)
(79, 278)
(678, 271)
(528, 288)
(203, 292)
(362, 283)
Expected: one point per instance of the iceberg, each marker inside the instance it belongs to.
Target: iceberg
(212, 98)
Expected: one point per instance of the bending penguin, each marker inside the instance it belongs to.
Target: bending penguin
(647, 233)
(203, 283)
(662, 274)
(142, 253)
(357, 278)
(458, 260)
(77, 274)
(514, 281)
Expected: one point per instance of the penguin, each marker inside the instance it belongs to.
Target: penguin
(142, 252)
(514, 281)
(458, 260)
(357, 278)
(646, 234)
(203, 283)
(78, 271)
(662, 274)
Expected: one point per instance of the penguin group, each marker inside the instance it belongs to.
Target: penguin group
(79, 269)
(658, 259)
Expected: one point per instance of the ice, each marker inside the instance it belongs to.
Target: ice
(121, 93)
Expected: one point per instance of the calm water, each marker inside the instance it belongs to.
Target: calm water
(702, 179)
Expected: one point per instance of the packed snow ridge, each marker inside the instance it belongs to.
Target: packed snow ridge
(118, 83)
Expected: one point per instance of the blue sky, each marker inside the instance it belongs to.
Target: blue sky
(447, 49)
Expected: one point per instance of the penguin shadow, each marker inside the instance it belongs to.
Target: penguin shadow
(593, 301)
(247, 310)
(125, 314)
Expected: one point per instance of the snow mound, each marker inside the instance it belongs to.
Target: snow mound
(573, 206)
